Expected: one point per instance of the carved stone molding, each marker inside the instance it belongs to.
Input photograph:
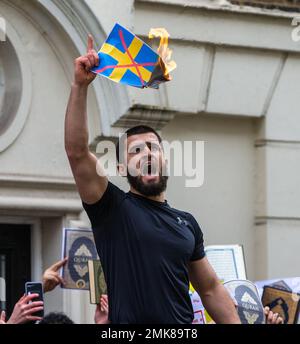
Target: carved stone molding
(40, 195)
(156, 118)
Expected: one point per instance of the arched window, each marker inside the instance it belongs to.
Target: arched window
(15, 87)
(10, 85)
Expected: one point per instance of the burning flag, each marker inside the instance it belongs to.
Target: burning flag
(127, 59)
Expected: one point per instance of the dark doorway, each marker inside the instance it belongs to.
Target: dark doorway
(15, 261)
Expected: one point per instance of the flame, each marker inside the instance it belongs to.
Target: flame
(163, 50)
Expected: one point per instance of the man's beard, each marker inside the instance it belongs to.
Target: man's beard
(149, 189)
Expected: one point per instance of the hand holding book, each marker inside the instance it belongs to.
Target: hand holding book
(101, 313)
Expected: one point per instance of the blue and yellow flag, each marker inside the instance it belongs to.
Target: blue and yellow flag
(127, 59)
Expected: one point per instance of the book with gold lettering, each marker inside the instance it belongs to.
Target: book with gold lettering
(247, 300)
(79, 246)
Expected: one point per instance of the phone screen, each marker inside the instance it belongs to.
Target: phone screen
(35, 288)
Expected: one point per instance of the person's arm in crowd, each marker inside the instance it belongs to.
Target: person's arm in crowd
(214, 296)
(91, 186)
(51, 276)
(24, 310)
(101, 313)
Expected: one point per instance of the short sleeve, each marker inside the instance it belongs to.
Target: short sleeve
(198, 252)
(108, 205)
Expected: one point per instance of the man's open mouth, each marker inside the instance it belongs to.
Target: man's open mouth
(149, 168)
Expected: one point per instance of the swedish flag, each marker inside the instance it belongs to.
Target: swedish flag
(127, 59)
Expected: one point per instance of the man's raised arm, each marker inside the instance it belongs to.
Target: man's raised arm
(90, 185)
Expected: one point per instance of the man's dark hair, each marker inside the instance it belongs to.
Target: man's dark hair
(139, 129)
(56, 318)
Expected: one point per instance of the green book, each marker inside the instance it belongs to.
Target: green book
(97, 281)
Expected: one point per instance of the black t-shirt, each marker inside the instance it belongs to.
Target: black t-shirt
(145, 247)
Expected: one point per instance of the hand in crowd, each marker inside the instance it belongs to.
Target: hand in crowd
(2, 318)
(272, 318)
(51, 277)
(101, 313)
(24, 310)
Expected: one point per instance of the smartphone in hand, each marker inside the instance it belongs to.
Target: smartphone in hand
(35, 288)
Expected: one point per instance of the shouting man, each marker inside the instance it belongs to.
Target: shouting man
(149, 251)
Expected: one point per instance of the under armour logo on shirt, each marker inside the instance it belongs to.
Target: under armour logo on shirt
(180, 221)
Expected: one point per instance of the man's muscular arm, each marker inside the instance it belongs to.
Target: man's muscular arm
(90, 185)
(214, 296)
